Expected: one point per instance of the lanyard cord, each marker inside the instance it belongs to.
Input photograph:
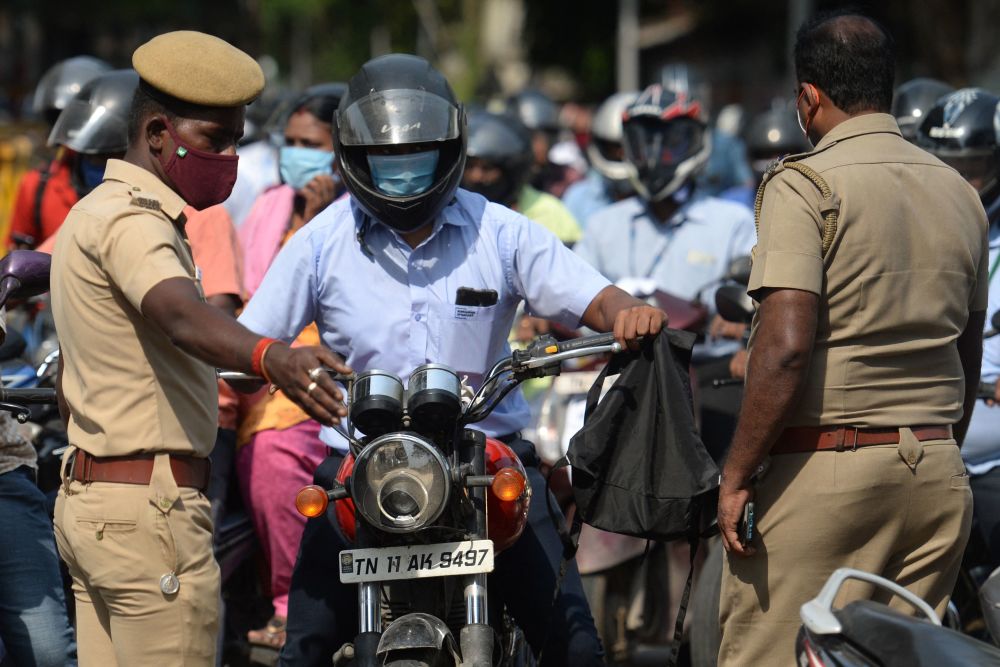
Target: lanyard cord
(659, 255)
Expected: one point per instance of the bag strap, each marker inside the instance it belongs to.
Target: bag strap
(569, 536)
(675, 644)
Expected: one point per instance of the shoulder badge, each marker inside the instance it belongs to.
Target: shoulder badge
(146, 201)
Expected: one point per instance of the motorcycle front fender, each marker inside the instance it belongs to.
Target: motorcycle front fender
(417, 631)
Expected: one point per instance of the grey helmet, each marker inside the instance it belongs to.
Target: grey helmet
(62, 81)
(773, 134)
(606, 134)
(536, 110)
(502, 141)
(95, 122)
(913, 99)
(667, 141)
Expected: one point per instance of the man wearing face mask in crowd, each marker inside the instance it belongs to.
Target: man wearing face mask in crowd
(139, 347)
(410, 238)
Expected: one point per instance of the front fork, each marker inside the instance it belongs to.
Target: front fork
(369, 615)
(476, 638)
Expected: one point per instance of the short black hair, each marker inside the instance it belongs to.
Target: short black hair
(144, 104)
(850, 57)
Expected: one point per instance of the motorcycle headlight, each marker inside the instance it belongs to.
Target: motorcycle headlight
(400, 483)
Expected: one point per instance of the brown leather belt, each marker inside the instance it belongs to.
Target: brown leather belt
(799, 439)
(138, 468)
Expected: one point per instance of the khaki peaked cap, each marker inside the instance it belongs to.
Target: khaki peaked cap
(199, 69)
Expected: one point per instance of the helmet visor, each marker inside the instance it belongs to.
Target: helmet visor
(90, 130)
(979, 169)
(651, 144)
(400, 116)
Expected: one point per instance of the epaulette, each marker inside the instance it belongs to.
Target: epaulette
(145, 200)
(829, 208)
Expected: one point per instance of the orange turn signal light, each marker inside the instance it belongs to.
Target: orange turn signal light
(311, 501)
(508, 484)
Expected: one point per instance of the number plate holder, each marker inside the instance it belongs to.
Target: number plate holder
(448, 559)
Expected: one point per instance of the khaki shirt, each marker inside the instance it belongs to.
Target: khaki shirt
(907, 265)
(129, 388)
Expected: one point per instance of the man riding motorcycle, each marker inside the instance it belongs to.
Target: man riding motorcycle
(412, 269)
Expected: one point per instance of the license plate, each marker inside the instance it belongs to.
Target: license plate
(448, 559)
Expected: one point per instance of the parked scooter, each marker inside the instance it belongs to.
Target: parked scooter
(869, 634)
(429, 502)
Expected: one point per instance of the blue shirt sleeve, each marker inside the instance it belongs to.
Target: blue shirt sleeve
(285, 302)
(554, 282)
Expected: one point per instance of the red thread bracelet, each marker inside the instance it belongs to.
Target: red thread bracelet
(258, 355)
(263, 366)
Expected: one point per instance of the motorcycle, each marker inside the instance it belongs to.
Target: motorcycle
(865, 633)
(429, 502)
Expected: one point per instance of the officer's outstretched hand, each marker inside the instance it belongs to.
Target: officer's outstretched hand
(289, 369)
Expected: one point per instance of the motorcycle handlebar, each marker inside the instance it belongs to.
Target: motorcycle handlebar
(33, 396)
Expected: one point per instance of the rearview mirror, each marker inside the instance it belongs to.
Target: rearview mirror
(739, 270)
(733, 304)
(24, 274)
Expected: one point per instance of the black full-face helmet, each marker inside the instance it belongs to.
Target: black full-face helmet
(396, 105)
(501, 141)
(913, 99)
(961, 130)
(666, 140)
(95, 121)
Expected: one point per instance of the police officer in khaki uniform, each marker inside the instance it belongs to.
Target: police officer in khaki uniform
(139, 347)
(870, 272)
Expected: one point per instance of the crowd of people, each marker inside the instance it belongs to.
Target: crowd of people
(336, 238)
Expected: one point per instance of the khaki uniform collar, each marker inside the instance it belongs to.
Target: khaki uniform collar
(141, 180)
(869, 123)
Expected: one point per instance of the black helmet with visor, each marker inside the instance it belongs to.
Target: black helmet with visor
(913, 99)
(397, 114)
(961, 130)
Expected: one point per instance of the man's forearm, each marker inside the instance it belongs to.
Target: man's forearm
(201, 330)
(776, 375)
(970, 352)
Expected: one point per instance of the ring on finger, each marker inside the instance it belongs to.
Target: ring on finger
(314, 373)
(311, 388)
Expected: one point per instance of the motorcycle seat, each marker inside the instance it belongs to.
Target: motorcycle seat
(894, 638)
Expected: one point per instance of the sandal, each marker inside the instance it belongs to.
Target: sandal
(271, 635)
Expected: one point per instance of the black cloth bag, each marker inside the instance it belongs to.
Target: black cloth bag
(639, 466)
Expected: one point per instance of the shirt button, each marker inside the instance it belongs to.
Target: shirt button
(912, 459)
(417, 317)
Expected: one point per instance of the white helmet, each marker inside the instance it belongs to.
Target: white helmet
(606, 135)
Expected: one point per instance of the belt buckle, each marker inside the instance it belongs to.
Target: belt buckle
(842, 440)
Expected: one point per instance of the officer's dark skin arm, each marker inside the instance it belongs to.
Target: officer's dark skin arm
(776, 377)
(970, 351)
(629, 318)
(205, 332)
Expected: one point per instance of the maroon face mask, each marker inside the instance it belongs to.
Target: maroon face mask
(203, 179)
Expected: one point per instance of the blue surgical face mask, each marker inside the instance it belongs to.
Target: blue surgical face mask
(91, 174)
(404, 175)
(299, 165)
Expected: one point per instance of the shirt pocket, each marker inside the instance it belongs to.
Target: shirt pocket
(464, 337)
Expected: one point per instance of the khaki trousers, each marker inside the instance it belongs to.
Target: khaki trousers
(120, 541)
(901, 511)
